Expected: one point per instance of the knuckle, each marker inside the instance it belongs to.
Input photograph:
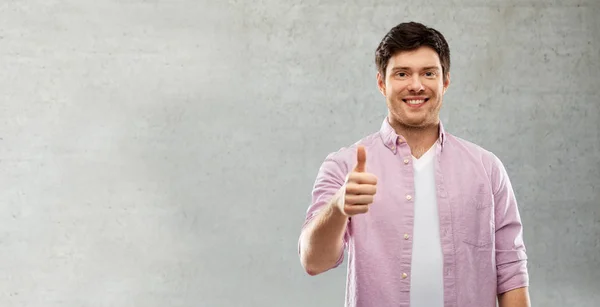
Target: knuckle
(351, 188)
(347, 200)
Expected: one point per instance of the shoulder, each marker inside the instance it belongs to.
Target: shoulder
(469, 152)
(346, 156)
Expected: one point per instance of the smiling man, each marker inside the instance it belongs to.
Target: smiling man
(428, 219)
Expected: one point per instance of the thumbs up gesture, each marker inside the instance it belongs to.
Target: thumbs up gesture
(360, 187)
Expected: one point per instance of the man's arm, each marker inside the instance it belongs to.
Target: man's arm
(336, 197)
(321, 241)
(511, 258)
(515, 298)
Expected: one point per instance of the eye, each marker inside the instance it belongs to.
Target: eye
(430, 74)
(401, 74)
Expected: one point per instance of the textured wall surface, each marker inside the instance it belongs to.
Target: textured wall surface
(162, 153)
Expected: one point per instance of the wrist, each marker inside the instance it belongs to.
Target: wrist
(336, 206)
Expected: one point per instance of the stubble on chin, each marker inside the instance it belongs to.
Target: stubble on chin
(399, 119)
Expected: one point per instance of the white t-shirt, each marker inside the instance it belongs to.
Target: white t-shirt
(427, 288)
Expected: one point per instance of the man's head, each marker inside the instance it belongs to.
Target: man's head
(413, 63)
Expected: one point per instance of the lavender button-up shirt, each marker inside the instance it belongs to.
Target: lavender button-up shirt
(480, 227)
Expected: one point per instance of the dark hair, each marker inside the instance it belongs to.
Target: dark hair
(410, 36)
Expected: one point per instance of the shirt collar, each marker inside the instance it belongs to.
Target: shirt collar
(390, 138)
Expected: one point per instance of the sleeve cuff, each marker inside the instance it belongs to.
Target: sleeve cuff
(512, 276)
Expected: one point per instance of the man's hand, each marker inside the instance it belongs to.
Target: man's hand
(360, 187)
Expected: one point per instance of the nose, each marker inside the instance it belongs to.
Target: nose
(415, 84)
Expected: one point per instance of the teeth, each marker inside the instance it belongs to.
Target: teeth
(415, 101)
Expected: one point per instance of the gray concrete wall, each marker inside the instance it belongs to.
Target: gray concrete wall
(162, 153)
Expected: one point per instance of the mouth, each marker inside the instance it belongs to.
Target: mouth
(416, 101)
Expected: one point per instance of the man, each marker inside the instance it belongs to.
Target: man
(428, 219)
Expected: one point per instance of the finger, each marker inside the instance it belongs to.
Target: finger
(364, 178)
(358, 199)
(361, 159)
(353, 210)
(360, 189)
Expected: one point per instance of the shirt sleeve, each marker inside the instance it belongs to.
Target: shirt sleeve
(511, 257)
(330, 178)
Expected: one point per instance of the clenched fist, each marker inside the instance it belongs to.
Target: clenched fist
(360, 187)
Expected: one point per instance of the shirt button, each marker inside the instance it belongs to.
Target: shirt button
(408, 197)
(406, 236)
(406, 161)
(404, 275)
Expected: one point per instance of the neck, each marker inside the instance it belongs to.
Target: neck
(419, 139)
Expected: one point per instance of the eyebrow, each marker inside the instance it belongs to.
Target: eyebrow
(408, 68)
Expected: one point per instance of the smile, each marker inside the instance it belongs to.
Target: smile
(415, 102)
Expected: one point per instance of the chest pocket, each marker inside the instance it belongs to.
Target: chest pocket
(475, 218)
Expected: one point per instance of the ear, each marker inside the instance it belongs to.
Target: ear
(446, 82)
(381, 83)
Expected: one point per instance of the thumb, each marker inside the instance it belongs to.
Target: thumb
(361, 159)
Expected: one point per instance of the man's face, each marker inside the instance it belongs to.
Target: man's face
(414, 87)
